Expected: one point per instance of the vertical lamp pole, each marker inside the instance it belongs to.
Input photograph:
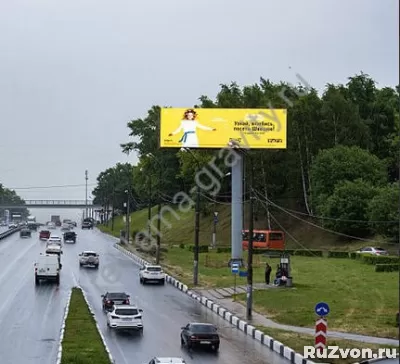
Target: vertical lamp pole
(86, 196)
(158, 251)
(196, 238)
(127, 216)
(249, 301)
(149, 208)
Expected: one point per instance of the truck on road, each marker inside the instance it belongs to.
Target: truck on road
(56, 220)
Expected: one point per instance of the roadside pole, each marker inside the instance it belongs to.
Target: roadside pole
(214, 236)
(321, 325)
(235, 271)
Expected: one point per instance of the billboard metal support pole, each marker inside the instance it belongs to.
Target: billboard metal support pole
(86, 195)
(237, 209)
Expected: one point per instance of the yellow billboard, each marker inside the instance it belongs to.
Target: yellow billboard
(216, 128)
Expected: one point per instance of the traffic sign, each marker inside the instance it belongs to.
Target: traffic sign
(215, 220)
(321, 327)
(322, 309)
(243, 273)
(216, 214)
(235, 268)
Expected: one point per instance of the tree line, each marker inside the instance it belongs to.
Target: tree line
(10, 197)
(341, 163)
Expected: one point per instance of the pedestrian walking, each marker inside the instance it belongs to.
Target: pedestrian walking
(268, 270)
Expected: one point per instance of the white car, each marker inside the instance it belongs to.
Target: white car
(151, 273)
(54, 239)
(125, 317)
(51, 226)
(166, 360)
(372, 250)
(89, 258)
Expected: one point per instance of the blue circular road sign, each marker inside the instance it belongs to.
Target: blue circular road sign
(322, 309)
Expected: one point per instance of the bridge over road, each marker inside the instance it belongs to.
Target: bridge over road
(50, 204)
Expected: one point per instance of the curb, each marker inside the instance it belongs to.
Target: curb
(97, 325)
(66, 310)
(242, 325)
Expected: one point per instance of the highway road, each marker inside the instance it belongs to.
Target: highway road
(31, 317)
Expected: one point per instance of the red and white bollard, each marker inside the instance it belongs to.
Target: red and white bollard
(321, 327)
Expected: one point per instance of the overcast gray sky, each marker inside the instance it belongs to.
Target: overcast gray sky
(73, 73)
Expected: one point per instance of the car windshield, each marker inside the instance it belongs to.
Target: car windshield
(116, 296)
(203, 328)
(89, 254)
(127, 311)
(154, 269)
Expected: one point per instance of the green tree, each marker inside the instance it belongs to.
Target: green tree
(383, 211)
(340, 164)
(348, 207)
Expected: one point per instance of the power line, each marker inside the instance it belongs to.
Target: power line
(328, 218)
(320, 227)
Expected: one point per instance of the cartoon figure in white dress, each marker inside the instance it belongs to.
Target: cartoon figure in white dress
(188, 125)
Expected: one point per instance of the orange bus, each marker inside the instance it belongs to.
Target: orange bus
(264, 239)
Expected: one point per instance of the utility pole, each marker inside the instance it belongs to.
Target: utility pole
(149, 208)
(113, 201)
(249, 301)
(127, 216)
(196, 238)
(158, 251)
(86, 196)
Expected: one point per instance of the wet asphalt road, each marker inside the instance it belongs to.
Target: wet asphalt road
(31, 317)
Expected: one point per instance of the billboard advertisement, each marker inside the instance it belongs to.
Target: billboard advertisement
(215, 128)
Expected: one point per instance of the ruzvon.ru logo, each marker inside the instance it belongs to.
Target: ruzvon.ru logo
(275, 140)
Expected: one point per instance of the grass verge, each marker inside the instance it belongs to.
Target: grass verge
(298, 341)
(82, 343)
(361, 300)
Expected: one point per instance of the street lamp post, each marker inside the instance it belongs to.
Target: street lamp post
(86, 194)
(196, 224)
(127, 216)
(158, 248)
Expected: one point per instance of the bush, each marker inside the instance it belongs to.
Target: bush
(308, 253)
(182, 246)
(338, 254)
(202, 248)
(379, 259)
(224, 249)
(387, 267)
(354, 255)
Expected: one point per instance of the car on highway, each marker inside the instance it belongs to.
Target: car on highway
(89, 259)
(151, 273)
(54, 239)
(382, 360)
(373, 250)
(87, 225)
(25, 233)
(54, 249)
(125, 317)
(44, 234)
(32, 226)
(65, 227)
(47, 268)
(12, 226)
(197, 334)
(51, 225)
(166, 360)
(109, 299)
(69, 237)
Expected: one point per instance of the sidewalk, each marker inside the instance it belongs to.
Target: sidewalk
(223, 297)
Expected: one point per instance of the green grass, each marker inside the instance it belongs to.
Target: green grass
(362, 301)
(298, 341)
(82, 343)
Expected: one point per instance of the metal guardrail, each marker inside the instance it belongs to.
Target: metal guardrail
(9, 232)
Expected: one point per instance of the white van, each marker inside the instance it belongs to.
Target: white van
(56, 250)
(47, 268)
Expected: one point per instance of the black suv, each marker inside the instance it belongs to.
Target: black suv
(87, 225)
(109, 299)
(200, 335)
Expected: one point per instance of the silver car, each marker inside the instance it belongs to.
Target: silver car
(89, 259)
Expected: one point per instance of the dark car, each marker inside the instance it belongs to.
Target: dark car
(44, 235)
(69, 237)
(32, 226)
(25, 233)
(87, 225)
(110, 299)
(200, 335)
